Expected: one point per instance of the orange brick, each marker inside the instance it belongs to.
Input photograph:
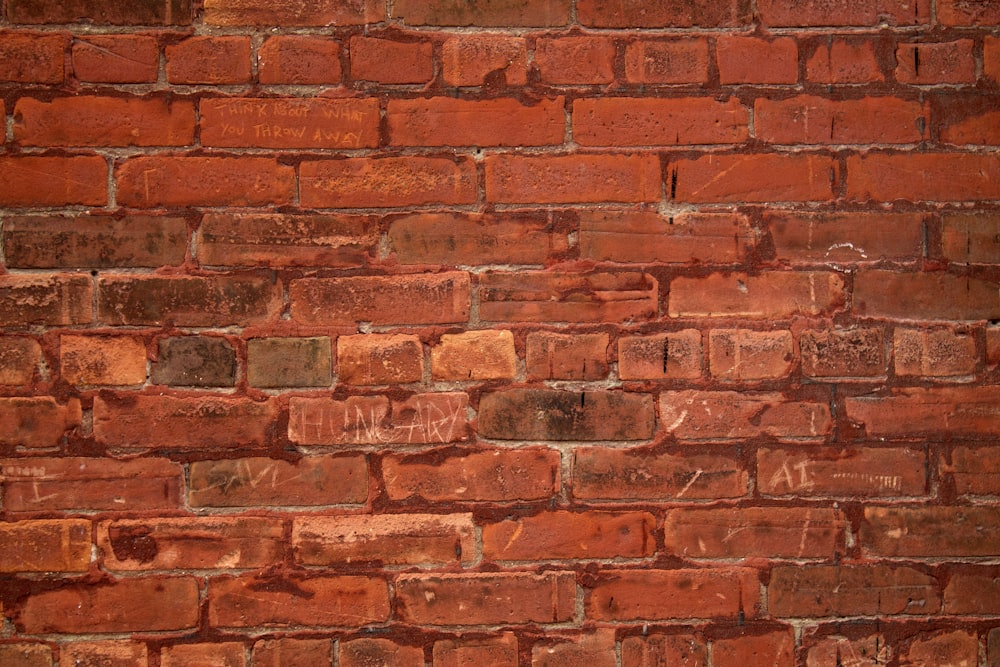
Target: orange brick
(474, 355)
(554, 356)
(19, 359)
(390, 62)
(576, 60)
(116, 58)
(756, 60)
(369, 359)
(673, 61)
(209, 60)
(934, 352)
(37, 422)
(102, 360)
(298, 60)
(470, 59)
(660, 356)
(222, 654)
(46, 545)
(383, 652)
(742, 354)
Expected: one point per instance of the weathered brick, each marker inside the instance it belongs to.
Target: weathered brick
(19, 359)
(745, 59)
(32, 57)
(475, 355)
(388, 61)
(444, 121)
(851, 590)
(25, 654)
(970, 238)
(844, 60)
(37, 422)
(974, 471)
(289, 651)
(498, 651)
(593, 649)
(35, 180)
(727, 415)
(624, 595)
(832, 471)
(762, 177)
(289, 122)
(298, 60)
(963, 119)
(637, 121)
(991, 58)
(387, 181)
(772, 295)
(553, 414)
(925, 296)
(556, 356)
(104, 360)
(907, 411)
(578, 178)
(677, 60)
(775, 648)
(640, 14)
(516, 13)
(154, 12)
(561, 535)
(944, 648)
(682, 649)
(934, 352)
(973, 590)
(958, 13)
(743, 354)
(291, 14)
(153, 181)
(107, 653)
(52, 299)
(116, 58)
(89, 120)
(257, 481)
(210, 60)
(471, 59)
(221, 654)
(834, 238)
(791, 13)
(808, 119)
(862, 650)
(925, 63)
(383, 652)
(195, 361)
(842, 353)
(46, 545)
(923, 177)
(929, 532)
(578, 60)
(660, 356)
(290, 362)
(371, 359)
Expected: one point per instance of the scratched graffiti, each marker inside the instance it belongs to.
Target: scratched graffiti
(276, 123)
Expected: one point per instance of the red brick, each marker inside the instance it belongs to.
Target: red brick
(925, 63)
(390, 62)
(553, 296)
(221, 654)
(37, 422)
(45, 546)
(650, 650)
(102, 360)
(660, 356)
(104, 121)
(554, 414)
(155, 421)
(209, 60)
(832, 471)
(444, 121)
(728, 415)
(496, 651)
(108, 653)
(474, 355)
(621, 475)
(991, 59)
(388, 539)
(844, 60)
(582, 60)
(248, 122)
(387, 181)
(967, 119)
(776, 648)
(973, 591)
(381, 652)
(414, 299)
(153, 181)
(287, 651)
(76, 483)
(24, 654)
(42, 242)
(808, 119)
(196, 301)
(50, 299)
(944, 648)
(116, 58)
(923, 177)
(32, 57)
(625, 595)
(928, 532)
(190, 543)
(486, 475)
(256, 482)
(791, 13)
(113, 606)
(102, 12)
(290, 362)
(34, 181)
(486, 598)
(631, 121)
(256, 601)
(647, 236)
(802, 237)
(766, 177)
(756, 60)
(742, 354)
(974, 471)
(967, 238)
(863, 651)
(842, 353)
(298, 60)
(578, 178)
(195, 361)
(772, 295)
(975, 13)
(560, 535)
(318, 13)
(992, 345)
(851, 590)
(19, 359)
(516, 13)
(640, 14)
(432, 418)
(593, 649)
(958, 411)
(924, 296)
(472, 59)
(554, 356)
(934, 352)
(678, 60)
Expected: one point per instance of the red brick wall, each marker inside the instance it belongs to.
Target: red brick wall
(541, 333)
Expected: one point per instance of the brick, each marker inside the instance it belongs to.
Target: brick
(561, 535)
(944, 648)
(992, 345)
(194, 301)
(628, 121)
(375, 359)
(453, 238)
(101, 12)
(382, 652)
(390, 62)
(209, 60)
(751, 178)
(498, 651)
(851, 590)
(975, 471)
(554, 414)
(45, 546)
(579, 178)
(958, 13)
(473, 59)
(190, 543)
(727, 415)
(757, 60)
(776, 648)
(963, 119)
(743, 354)
(555, 296)
(808, 119)
(594, 649)
(772, 295)
(258, 481)
(683, 650)
(924, 296)
(678, 60)
(789, 13)
(516, 13)
(934, 352)
(78, 483)
(444, 121)
(801, 237)
(102, 360)
(863, 651)
(845, 472)
(51, 299)
(842, 353)
(387, 539)
(37, 422)
(555, 356)
(298, 60)
(252, 601)
(842, 60)
(155, 181)
(387, 181)
(314, 14)
(969, 238)
(991, 58)
(288, 651)
(414, 299)
(221, 654)
(90, 120)
(32, 57)
(624, 595)
(36, 181)
(195, 361)
(278, 122)
(157, 421)
(290, 362)
(973, 591)
(618, 475)
(958, 411)
(639, 14)
(648, 237)
(660, 356)
(929, 532)
(108, 653)
(475, 355)
(120, 605)
(19, 359)
(116, 58)
(24, 654)
(496, 475)
(583, 60)
(923, 177)
(53, 242)
(927, 63)
(432, 418)
(486, 598)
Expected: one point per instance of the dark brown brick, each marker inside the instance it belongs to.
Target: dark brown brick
(551, 414)
(289, 362)
(109, 12)
(55, 300)
(195, 361)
